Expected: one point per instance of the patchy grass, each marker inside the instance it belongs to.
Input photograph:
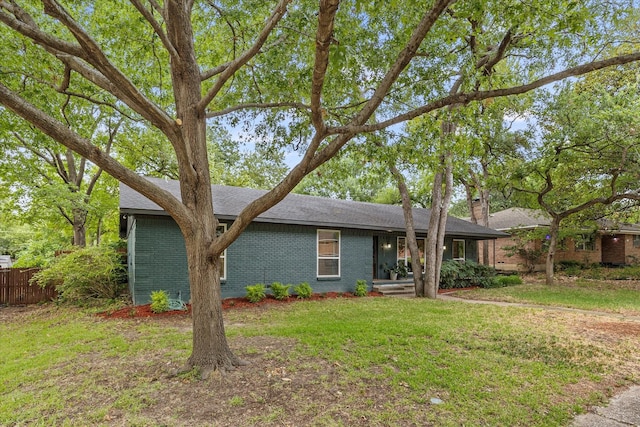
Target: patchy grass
(612, 296)
(368, 361)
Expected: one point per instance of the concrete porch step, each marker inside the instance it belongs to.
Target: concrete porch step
(396, 289)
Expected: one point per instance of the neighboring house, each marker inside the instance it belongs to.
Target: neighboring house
(610, 245)
(5, 261)
(326, 242)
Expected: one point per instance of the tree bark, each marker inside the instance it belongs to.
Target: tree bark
(210, 348)
(412, 242)
(79, 227)
(553, 243)
(444, 213)
(198, 223)
(431, 245)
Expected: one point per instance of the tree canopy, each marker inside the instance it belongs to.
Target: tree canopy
(309, 76)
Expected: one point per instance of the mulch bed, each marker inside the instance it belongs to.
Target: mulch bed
(139, 311)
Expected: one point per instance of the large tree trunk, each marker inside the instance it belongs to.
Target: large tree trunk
(431, 245)
(198, 226)
(444, 212)
(484, 221)
(210, 349)
(412, 242)
(553, 243)
(79, 227)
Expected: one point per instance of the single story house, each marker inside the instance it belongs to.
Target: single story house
(612, 244)
(326, 242)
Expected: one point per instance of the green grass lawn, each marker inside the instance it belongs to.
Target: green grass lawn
(367, 361)
(615, 296)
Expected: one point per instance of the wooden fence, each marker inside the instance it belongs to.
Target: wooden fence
(15, 288)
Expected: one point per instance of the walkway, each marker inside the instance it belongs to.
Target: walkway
(627, 318)
(623, 410)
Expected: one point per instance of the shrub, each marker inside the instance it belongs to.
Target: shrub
(303, 290)
(456, 274)
(570, 264)
(159, 301)
(280, 291)
(256, 293)
(361, 288)
(503, 281)
(85, 274)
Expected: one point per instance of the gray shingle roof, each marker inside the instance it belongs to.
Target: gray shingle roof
(531, 218)
(307, 210)
(518, 218)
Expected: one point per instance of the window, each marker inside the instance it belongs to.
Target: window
(223, 257)
(585, 242)
(328, 253)
(404, 255)
(636, 241)
(457, 251)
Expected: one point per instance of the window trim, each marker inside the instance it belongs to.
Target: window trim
(636, 240)
(464, 249)
(406, 251)
(318, 257)
(223, 255)
(584, 240)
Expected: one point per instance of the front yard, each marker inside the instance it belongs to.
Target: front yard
(356, 361)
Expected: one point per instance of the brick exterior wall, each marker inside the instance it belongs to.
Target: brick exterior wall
(632, 253)
(615, 249)
(264, 253)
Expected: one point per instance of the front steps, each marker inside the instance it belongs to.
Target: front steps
(400, 290)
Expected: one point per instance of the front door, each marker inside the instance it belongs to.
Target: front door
(613, 252)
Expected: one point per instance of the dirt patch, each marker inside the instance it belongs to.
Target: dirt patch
(618, 328)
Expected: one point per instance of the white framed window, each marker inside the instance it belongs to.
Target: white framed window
(458, 250)
(403, 254)
(585, 242)
(223, 265)
(636, 241)
(328, 253)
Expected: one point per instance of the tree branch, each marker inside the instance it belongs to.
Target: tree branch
(235, 65)
(465, 98)
(105, 75)
(83, 147)
(401, 62)
(324, 37)
(258, 105)
(157, 28)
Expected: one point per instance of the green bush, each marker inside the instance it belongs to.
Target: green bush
(95, 272)
(361, 288)
(456, 274)
(570, 264)
(303, 290)
(159, 301)
(280, 291)
(503, 281)
(256, 293)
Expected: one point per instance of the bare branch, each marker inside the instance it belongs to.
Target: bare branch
(235, 65)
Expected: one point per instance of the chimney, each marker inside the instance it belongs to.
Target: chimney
(476, 208)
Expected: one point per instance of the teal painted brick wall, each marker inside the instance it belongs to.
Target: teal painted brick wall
(264, 253)
(160, 259)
